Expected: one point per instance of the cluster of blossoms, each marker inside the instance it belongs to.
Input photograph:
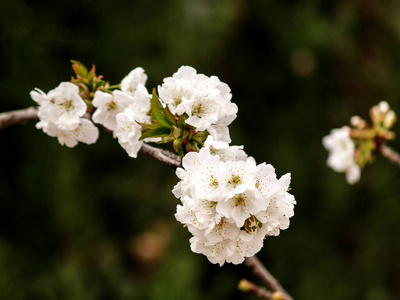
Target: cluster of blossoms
(204, 104)
(61, 114)
(351, 148)
(64, 114)
(123, 110)
(205, 100)
(229, 203)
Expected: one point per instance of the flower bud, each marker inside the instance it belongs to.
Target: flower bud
(389, 119)
(358, 122)
(375, 114)
(383, 107)
(245, 285)
(278, 296)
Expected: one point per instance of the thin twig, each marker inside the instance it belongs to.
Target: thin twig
(390, 154)
(164, 156)
(18, 117)
(261, 272)
(251, 288)
(30, 114)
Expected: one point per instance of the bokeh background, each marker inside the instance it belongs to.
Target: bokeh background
(92, 223)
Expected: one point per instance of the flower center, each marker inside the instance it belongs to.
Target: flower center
(214, 182)
(177, 101)
(212, 204)
(239, 200)
(213, 151)
(67, 104)
(235, 180)
(198, 110)
(251, 224)
(112, 105)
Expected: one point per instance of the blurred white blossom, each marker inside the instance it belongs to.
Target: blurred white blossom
(341, 153)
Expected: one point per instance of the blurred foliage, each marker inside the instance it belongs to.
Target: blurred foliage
(92, 223)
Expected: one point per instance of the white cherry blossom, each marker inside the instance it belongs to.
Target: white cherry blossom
(245, 245)
(128, 130)
(341, 153)
(62, 106)
(128, 133)
(223, 230)
(85, 132)
(241, 206)
(224, 151)
(180, 87)
(108, 106)
(202, 110)
(130, 83)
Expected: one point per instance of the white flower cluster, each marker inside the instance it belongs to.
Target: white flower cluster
(383, 113)
(341, 153)
(128, 130)
(123, 110)
(205, 100)
(229, 203)
(61, 114)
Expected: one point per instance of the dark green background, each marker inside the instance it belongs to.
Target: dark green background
(73, 221)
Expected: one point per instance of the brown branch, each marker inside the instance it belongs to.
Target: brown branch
(18, 117)
(251, 288)
(166, 157)
(30, 114)
(390, 154)
(261, 272)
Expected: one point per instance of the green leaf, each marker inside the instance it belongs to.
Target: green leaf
(178, 147)
(180, 152)
(200, 137)
(156, 132)
(190, 147)
(75, 62)
(169, 116)
(91, 76)
(79, 68)
(147, 126)
(167, 139)
(100, 84)
(157, 110)
(181, 122)
(177, 132)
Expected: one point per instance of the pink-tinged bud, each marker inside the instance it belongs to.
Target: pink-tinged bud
(389, 119)
(375, 114)
(383, 107)
(358, 122)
